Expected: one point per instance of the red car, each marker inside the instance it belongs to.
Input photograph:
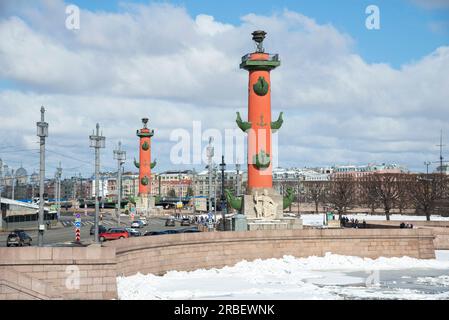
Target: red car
(114, 234)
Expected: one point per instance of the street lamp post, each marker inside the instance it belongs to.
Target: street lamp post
(214, 168)
(180, 192)
(194, 190)
(427, 164)
(120, 156)
(42, 133)
(237, 167)
(210, 155)
(223, 198)
(98, 142)
(13, 192)
(58, 190)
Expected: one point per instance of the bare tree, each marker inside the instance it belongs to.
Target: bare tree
(341, 193)
(426, 190)
(386, 188)
(367, 194)
(315, 192)
(404, 183)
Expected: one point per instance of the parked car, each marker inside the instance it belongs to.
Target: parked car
(190, 230)
(18, 238)
(170, 223)
(144, 221)
(185, 222)
(172, 231)
(137, 224)
(154, 233)
(133, 232)
(101, 229)
(114, 234)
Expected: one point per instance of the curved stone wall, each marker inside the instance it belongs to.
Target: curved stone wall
(42, 273)
(159, 254)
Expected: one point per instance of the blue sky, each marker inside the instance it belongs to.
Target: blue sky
(350, 95)
(406, 32)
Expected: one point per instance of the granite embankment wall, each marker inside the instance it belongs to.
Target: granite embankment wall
(158, 255)
(440, 230)
(58, 273)
(52, 273)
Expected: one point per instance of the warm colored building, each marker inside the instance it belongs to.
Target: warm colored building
(130, 185)
(177, 181)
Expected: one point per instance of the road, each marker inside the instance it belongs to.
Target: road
(64, 234)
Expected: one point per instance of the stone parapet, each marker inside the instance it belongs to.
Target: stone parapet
(58, 273)
(48, 273)
(158, 255)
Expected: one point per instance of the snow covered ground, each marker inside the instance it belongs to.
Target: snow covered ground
(317, 219)
(329, 277)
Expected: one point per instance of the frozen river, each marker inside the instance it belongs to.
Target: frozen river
(328, 277)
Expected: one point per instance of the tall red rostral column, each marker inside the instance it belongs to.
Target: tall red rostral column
(259, 126)
(145, 165)
(261, 201)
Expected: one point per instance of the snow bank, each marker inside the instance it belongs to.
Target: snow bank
(287, 278)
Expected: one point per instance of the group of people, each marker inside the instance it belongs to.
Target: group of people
(195, 219)
(352, 223)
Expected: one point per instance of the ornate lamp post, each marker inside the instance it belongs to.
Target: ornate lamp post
(120, 156)
(42, 133)
(98, 142)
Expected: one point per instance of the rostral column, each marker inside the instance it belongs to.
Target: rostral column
(259, 126)
(260, 199)
(145, 165)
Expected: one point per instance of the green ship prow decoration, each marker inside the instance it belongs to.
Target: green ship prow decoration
(234, 202)
(137, 164)
(276, 125)
(261, 160)
(243, 125)
(288, 200)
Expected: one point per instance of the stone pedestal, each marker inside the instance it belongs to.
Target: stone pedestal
(293, 223)
(264, 210)
(146, 205)
(239, 223)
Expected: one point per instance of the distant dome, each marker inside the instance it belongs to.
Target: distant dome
(21, 173)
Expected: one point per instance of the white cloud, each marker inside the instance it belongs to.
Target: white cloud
(206, 24)
(156, 60)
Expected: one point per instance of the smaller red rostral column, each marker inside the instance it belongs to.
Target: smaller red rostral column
(145, 164)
